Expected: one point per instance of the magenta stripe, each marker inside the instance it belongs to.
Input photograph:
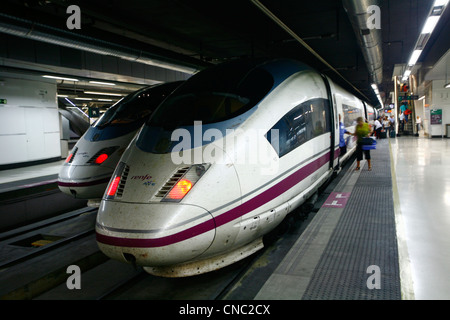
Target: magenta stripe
(225, 217)
(83, 184)
(158, 242)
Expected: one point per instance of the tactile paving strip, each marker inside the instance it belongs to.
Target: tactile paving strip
(364, 236)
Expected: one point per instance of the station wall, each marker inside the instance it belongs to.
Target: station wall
(29, 121)
(440, 100)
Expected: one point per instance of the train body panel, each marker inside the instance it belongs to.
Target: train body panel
(242, 174)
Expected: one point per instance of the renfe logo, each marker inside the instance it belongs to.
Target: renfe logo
(146, 177)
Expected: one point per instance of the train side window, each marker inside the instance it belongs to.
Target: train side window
(304, 122)
(278, 137)
(350, 115)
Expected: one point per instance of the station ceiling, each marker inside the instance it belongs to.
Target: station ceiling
(197, 33)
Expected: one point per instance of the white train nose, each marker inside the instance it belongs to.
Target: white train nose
(157, 235)
(84, 182)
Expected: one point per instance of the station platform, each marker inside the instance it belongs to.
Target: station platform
(376, 236)
(20, 178)
(31, 193)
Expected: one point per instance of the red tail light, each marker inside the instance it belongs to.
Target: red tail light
(102, 155)
(101, 158)
(112, 189)
(69, 157)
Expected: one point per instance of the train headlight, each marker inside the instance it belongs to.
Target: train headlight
(183, 181)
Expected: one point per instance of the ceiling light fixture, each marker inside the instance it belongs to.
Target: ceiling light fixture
(104, 93)
(60, 78)
(414, 57)
(439, 3)
(430, 24)
(103, 83)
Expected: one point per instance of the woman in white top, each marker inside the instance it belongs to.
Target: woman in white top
(378, 127)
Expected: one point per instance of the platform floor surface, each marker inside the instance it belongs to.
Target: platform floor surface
(422, 171)
(385, 237)
(349, 251)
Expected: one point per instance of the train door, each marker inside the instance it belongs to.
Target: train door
(334, 135)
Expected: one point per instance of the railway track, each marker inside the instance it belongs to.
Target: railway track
(34, 264)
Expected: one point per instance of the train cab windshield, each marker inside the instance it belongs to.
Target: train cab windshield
(214, 95)
(135, 107)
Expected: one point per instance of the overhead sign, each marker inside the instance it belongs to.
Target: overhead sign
(408, 98)
(3, 101)
(94, 112)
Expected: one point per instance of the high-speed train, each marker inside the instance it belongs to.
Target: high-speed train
(220, 163)
(88, 168)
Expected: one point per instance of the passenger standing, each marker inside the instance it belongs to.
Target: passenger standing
(378, 127)
(403, 108)
(361, 131)
(386, 124)
(401, 118)
(392, 124)
(418, 123)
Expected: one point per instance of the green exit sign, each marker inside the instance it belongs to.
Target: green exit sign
(3, 101)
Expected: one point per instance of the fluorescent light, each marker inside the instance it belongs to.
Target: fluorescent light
(430, 24)
(407, 73)
(104, 83)
(439, 3)
(447, 86)
(103, 93)
(414, 57)
(83, 99)
(60, 78)
(104, 99)
(62, 95)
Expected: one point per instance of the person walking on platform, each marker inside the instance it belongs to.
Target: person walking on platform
(361, 131)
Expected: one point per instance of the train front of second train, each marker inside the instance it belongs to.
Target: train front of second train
(180, 202)
(88, 168)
